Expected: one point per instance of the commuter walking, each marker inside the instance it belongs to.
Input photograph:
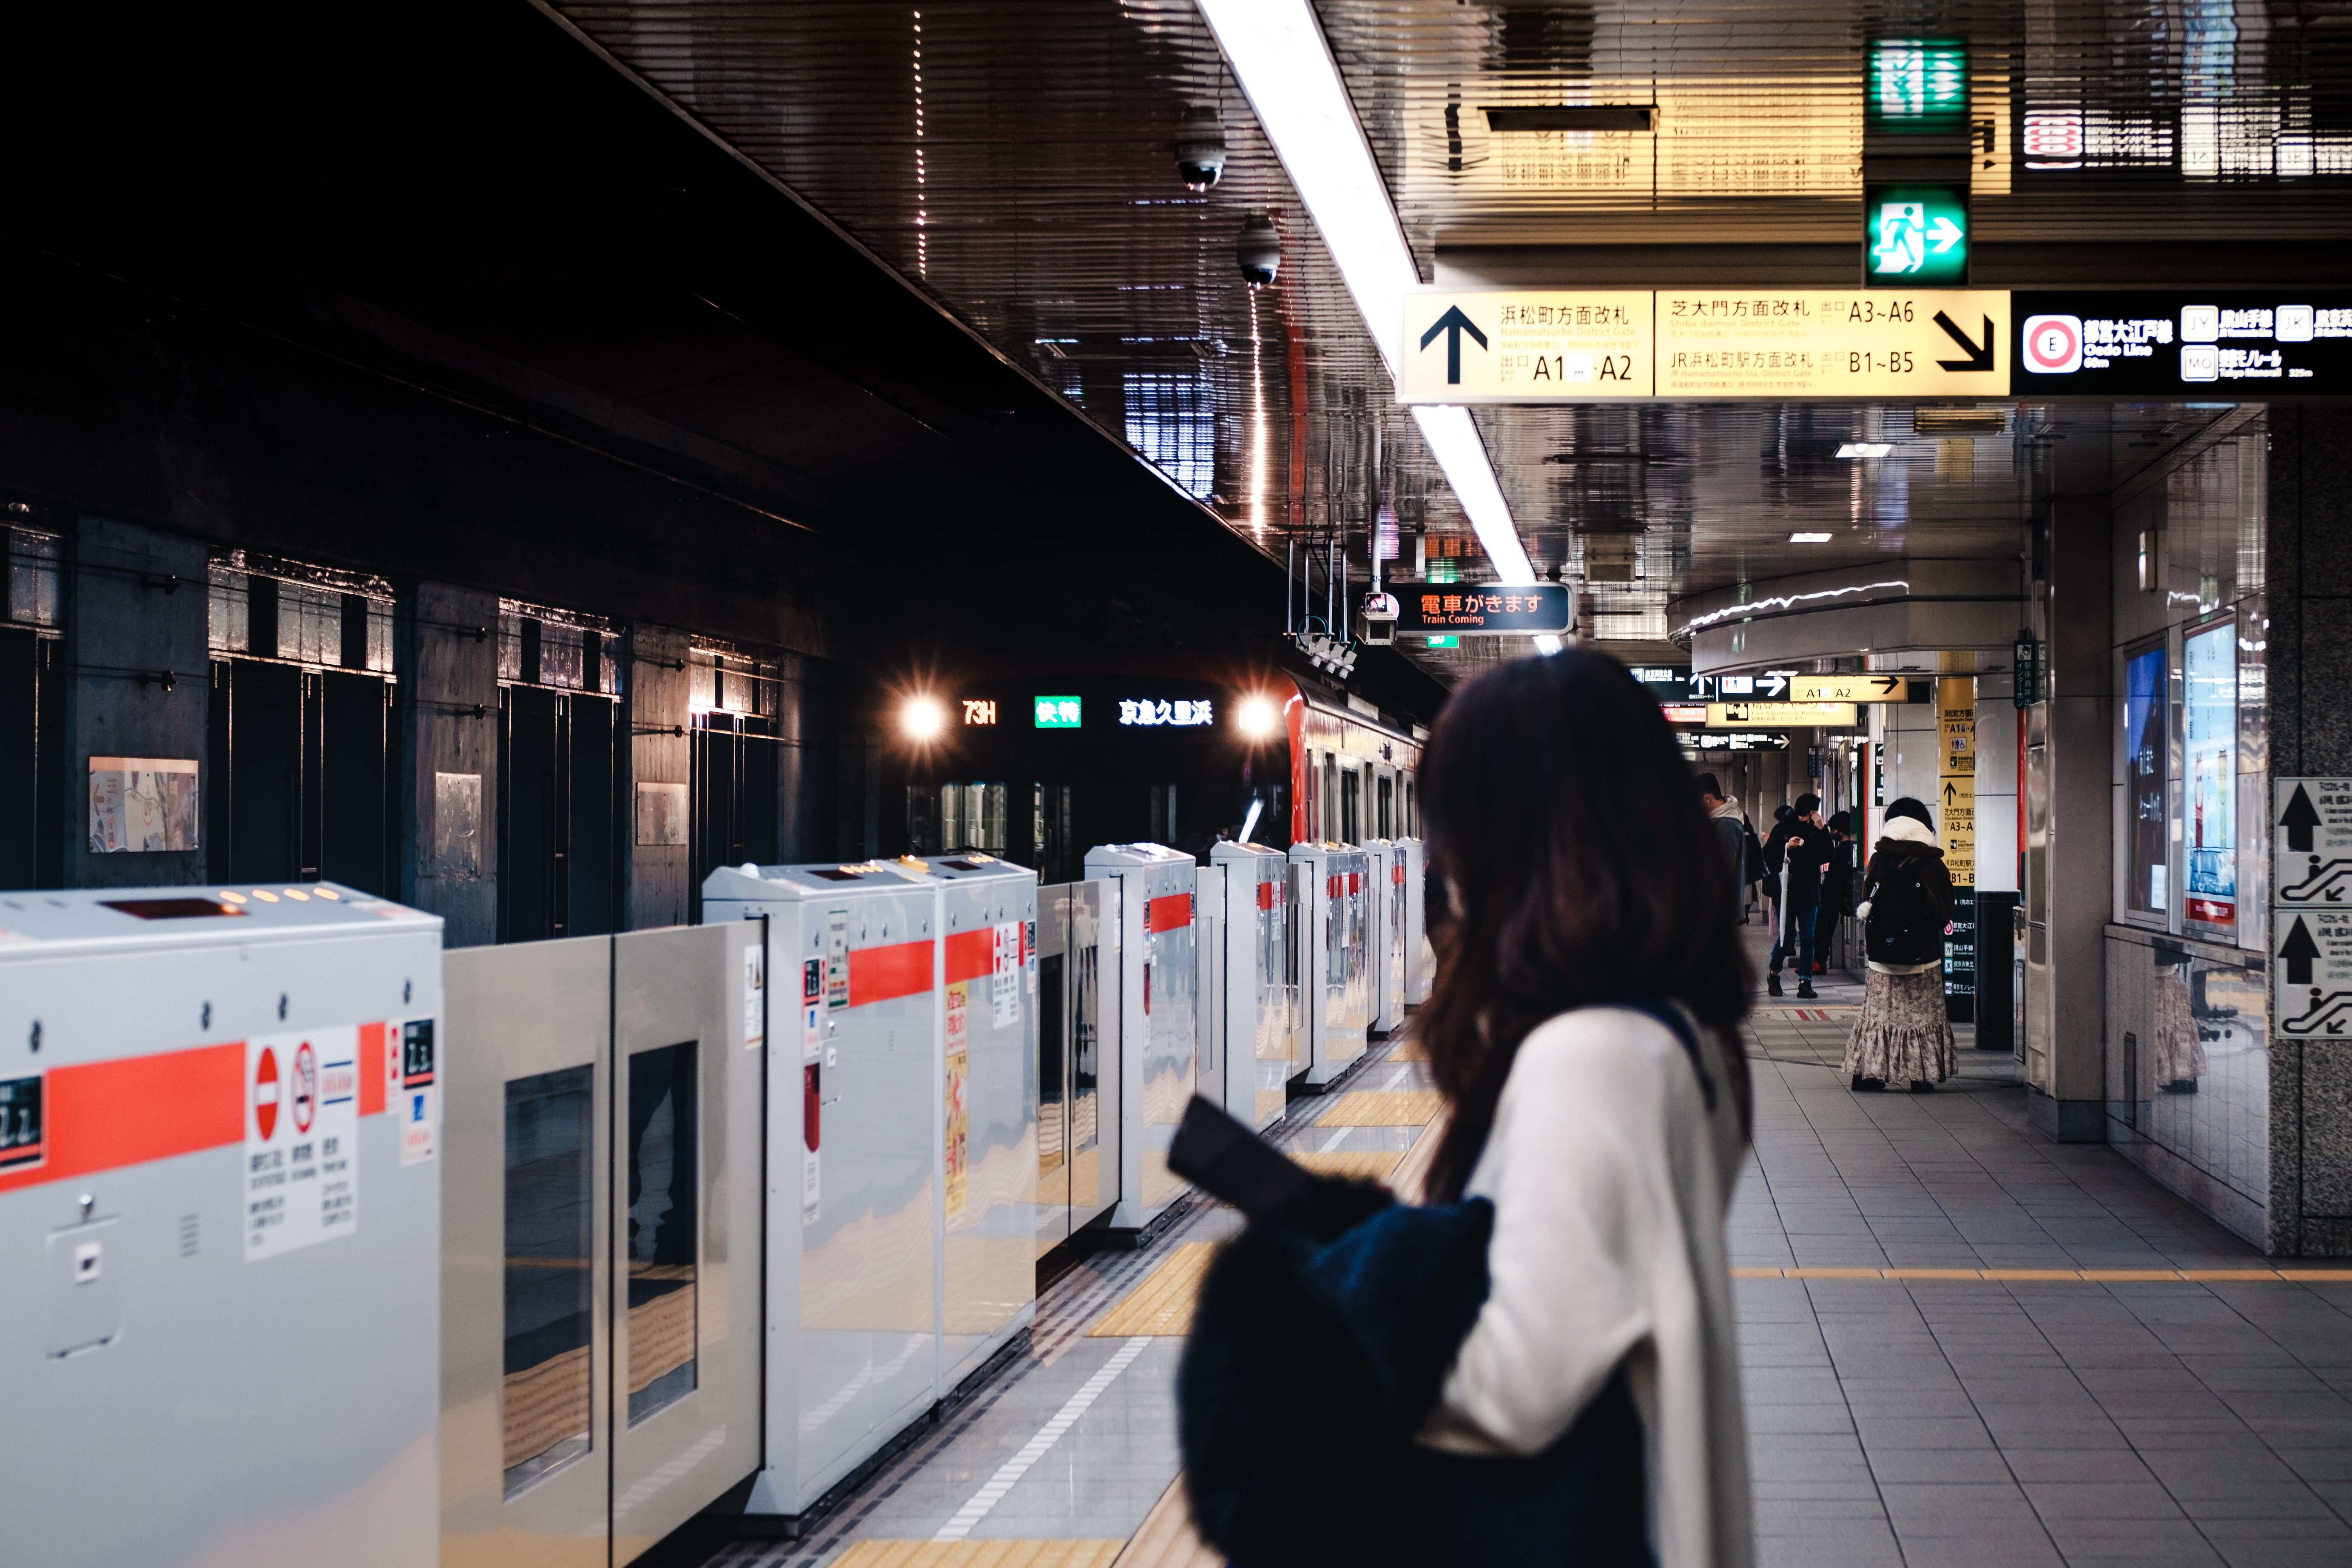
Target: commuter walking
(1803, 855)
(1582, 1406)
(1731, 835)
(1902, 1034)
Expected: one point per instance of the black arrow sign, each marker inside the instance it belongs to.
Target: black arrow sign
(1453, 324)
(1980, 356)
(1947, 794)
(2300, 819)
(1887, 684)
(2298, 951)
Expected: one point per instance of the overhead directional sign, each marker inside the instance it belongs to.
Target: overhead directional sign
(1779, 715)
(1533, 345)
(1739, 341)
(1850, 688)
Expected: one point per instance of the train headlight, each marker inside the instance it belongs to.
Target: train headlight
(1258, 717)
(923, 718)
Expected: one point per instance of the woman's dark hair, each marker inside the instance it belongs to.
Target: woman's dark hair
(1782, 813)
(1569, 865)
(1839, 822)
(1914, 808)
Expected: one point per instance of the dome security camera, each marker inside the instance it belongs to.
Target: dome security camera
(1200, 147)
(1259, 249)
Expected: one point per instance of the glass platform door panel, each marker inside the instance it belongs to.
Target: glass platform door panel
(687, 1116)
(1053, 1067)
(1094, 1114)
(525, 1335)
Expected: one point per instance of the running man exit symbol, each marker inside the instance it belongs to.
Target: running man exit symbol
(1453, 324)
(1917, 233)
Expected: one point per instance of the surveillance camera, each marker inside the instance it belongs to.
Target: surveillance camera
(1200, 147)
(1259, 249)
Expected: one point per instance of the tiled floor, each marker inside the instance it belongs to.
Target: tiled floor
(1913, 1422)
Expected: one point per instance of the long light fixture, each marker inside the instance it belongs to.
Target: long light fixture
(1285, 70)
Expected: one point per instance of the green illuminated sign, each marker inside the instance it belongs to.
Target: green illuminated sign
(1915, 234)
(1919, 84)
(1445, 642)
(1057, 712)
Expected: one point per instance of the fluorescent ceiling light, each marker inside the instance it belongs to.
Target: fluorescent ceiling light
(1285, 68)
(1809, 539)
(1866, 449)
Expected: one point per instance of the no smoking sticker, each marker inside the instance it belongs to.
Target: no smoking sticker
(301, 1139)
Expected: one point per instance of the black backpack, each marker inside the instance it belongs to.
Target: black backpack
(1753, 853)
(1902, 927)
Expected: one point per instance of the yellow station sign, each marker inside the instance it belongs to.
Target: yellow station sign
(1779, 715)
(1585, 345)
(1532, 346)
(1849, 689)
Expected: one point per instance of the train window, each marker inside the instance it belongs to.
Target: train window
(661, 1250)
(1351, 807)
(551, 1204)
(1387, 800)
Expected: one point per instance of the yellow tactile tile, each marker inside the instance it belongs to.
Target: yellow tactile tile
(1411, 1174)
(1382, 1108)
(1371, 1164)
(1407, 1051)
(981, 1554)
(1162, 1304)
(1166, 1538)
(2069, 1276)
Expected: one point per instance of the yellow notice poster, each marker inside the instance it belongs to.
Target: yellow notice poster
(959, 1116)
(1955, 788)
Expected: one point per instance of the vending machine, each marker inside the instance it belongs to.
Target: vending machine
(220, 1195)
(856, 1125)
(988, 1223)
(1158, 888)
(1258, 998)
(1333, 936)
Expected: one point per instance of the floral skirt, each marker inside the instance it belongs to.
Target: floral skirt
(1903, 1036)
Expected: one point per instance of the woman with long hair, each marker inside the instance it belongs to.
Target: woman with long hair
(1904, 1032)
(1536, 1365)
(1583, 1031)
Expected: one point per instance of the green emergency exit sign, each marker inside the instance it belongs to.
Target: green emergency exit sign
(1915, 233)
(1918, 85)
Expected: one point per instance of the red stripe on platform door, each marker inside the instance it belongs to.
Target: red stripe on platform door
(971, 954)
(1172, 913)
(881, 973)
(103, 1116)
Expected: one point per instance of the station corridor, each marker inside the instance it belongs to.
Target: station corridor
(1962, 1345)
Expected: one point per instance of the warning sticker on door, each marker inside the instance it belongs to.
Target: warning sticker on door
(755, 997)
(301, 1139)
(958, 1121)
(415, 1093)
(1005, 976)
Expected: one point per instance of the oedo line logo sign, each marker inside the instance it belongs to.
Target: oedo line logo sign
(302, 1139)
(2053, 345)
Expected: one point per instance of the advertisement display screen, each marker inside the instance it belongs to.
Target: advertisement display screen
(2209, 670)
(2146, 869)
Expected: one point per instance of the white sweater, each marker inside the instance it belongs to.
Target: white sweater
(1610, 1179)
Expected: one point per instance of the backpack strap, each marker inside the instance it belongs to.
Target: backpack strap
(1679, 1025)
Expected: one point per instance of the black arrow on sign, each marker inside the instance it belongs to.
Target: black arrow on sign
(1980, 357)
(2298, 951)
(1887, 684)
(2300, 819)
(1947, 794)
(1453, 324)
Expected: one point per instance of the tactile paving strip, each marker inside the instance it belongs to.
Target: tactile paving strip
(1162, 1304)
(981, 1554)
(2068, 1276)
(1371, 1164)
(1382, 1108)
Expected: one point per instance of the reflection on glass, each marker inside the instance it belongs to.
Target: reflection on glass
(2208, 670)
(2146, 859)
(1050, 1138)
(661, 1252)
(550, 1217)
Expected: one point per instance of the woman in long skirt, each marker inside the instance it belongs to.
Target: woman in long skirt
(1903, 1035)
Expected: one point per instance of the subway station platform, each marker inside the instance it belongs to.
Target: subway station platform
(1961, 1343)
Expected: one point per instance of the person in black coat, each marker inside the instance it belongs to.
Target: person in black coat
(1804, 852)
